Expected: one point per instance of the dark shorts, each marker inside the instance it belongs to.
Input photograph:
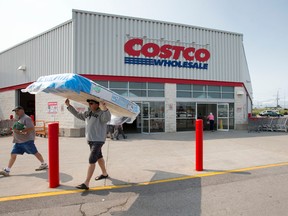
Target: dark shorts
(95, 151)
(26, 147)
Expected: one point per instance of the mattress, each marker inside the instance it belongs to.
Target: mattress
(79, 89)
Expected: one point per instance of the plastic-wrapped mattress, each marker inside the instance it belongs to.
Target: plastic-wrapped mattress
(79, 89)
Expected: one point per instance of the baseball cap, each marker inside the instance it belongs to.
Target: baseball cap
(91, 100)
(18, 108)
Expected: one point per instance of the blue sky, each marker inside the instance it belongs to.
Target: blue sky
(263, 24)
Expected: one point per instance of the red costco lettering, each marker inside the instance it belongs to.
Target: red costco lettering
(202, 55)
(166, 51)
(135, 47)
(186, 53)
(150, 50)
(129, 46)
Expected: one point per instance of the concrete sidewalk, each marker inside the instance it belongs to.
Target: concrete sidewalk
(142, 158)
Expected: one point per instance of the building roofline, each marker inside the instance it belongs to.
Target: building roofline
(119, 16)
(155, 21)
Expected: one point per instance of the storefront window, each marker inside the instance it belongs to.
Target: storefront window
(121, 92)
(157, 117)
(184, 91)
(184, 87)
(135, 89)
(214, 91)
(137, 93)
(119, 87)
(184, 94)
(185, 116)
(204, 91)
(231, 115)
(153, 93)
(198, 88)
(199, 94)
(102, 83)
(155, 90)
(228, 89)
(157, 125)
(137, 85)
(199, 91)
(227, 92)
(227, 95)
(157, 110)
(156, 86)
(214, 95)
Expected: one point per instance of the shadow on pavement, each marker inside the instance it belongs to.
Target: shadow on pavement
(44, 175)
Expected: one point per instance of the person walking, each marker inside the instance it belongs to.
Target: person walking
(23, 139)
(119, 130)
(210, 118)
(110, 130)
(96, 119)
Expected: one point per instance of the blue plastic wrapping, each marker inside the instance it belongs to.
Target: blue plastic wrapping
(79, 89)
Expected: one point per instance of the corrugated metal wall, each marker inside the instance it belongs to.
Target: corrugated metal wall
(93, 43)
(45, 54)
(100, 38)
(245, 73)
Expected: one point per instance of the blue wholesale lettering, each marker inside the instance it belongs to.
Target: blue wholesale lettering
(166, 63)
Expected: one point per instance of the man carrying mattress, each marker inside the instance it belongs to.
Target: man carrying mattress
(96, 119)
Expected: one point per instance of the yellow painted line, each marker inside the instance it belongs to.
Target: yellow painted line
(55, 193)
(110, 187)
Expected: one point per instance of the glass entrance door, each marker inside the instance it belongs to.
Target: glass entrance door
(223, 116)
(145, 120)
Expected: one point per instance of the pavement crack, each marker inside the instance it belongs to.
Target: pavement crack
(116, 206)
(81, 211)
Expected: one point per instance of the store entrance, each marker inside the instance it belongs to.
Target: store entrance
(203, 110)
(135, 127)
(150, 120)
(27, 101)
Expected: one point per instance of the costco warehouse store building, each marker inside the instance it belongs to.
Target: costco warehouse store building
(176, 73)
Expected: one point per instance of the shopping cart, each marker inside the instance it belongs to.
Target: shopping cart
(254, 124)
(6, 127)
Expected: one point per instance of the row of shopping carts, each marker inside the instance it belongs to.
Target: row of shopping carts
(267, 124)
(6, 126)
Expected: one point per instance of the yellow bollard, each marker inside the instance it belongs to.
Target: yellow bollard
(220, 124)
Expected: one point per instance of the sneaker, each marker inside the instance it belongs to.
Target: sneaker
(42, 167)
(4, 172)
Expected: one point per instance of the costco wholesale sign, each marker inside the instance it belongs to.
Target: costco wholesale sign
(166, 55)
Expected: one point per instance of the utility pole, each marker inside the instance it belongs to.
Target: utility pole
(277, 98)
(284, 100)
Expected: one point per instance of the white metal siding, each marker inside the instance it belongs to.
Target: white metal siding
(45, 54)
(245, 74)
(100, 38)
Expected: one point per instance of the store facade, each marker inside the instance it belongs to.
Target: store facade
(176, 73)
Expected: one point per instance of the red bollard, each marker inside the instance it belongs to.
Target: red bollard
(199, 145)
(33, 118)
(53, 154)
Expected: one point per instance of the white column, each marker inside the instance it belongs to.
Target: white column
(170, 107)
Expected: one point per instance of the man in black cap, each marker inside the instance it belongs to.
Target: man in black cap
(23, 139)
(96, 119)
